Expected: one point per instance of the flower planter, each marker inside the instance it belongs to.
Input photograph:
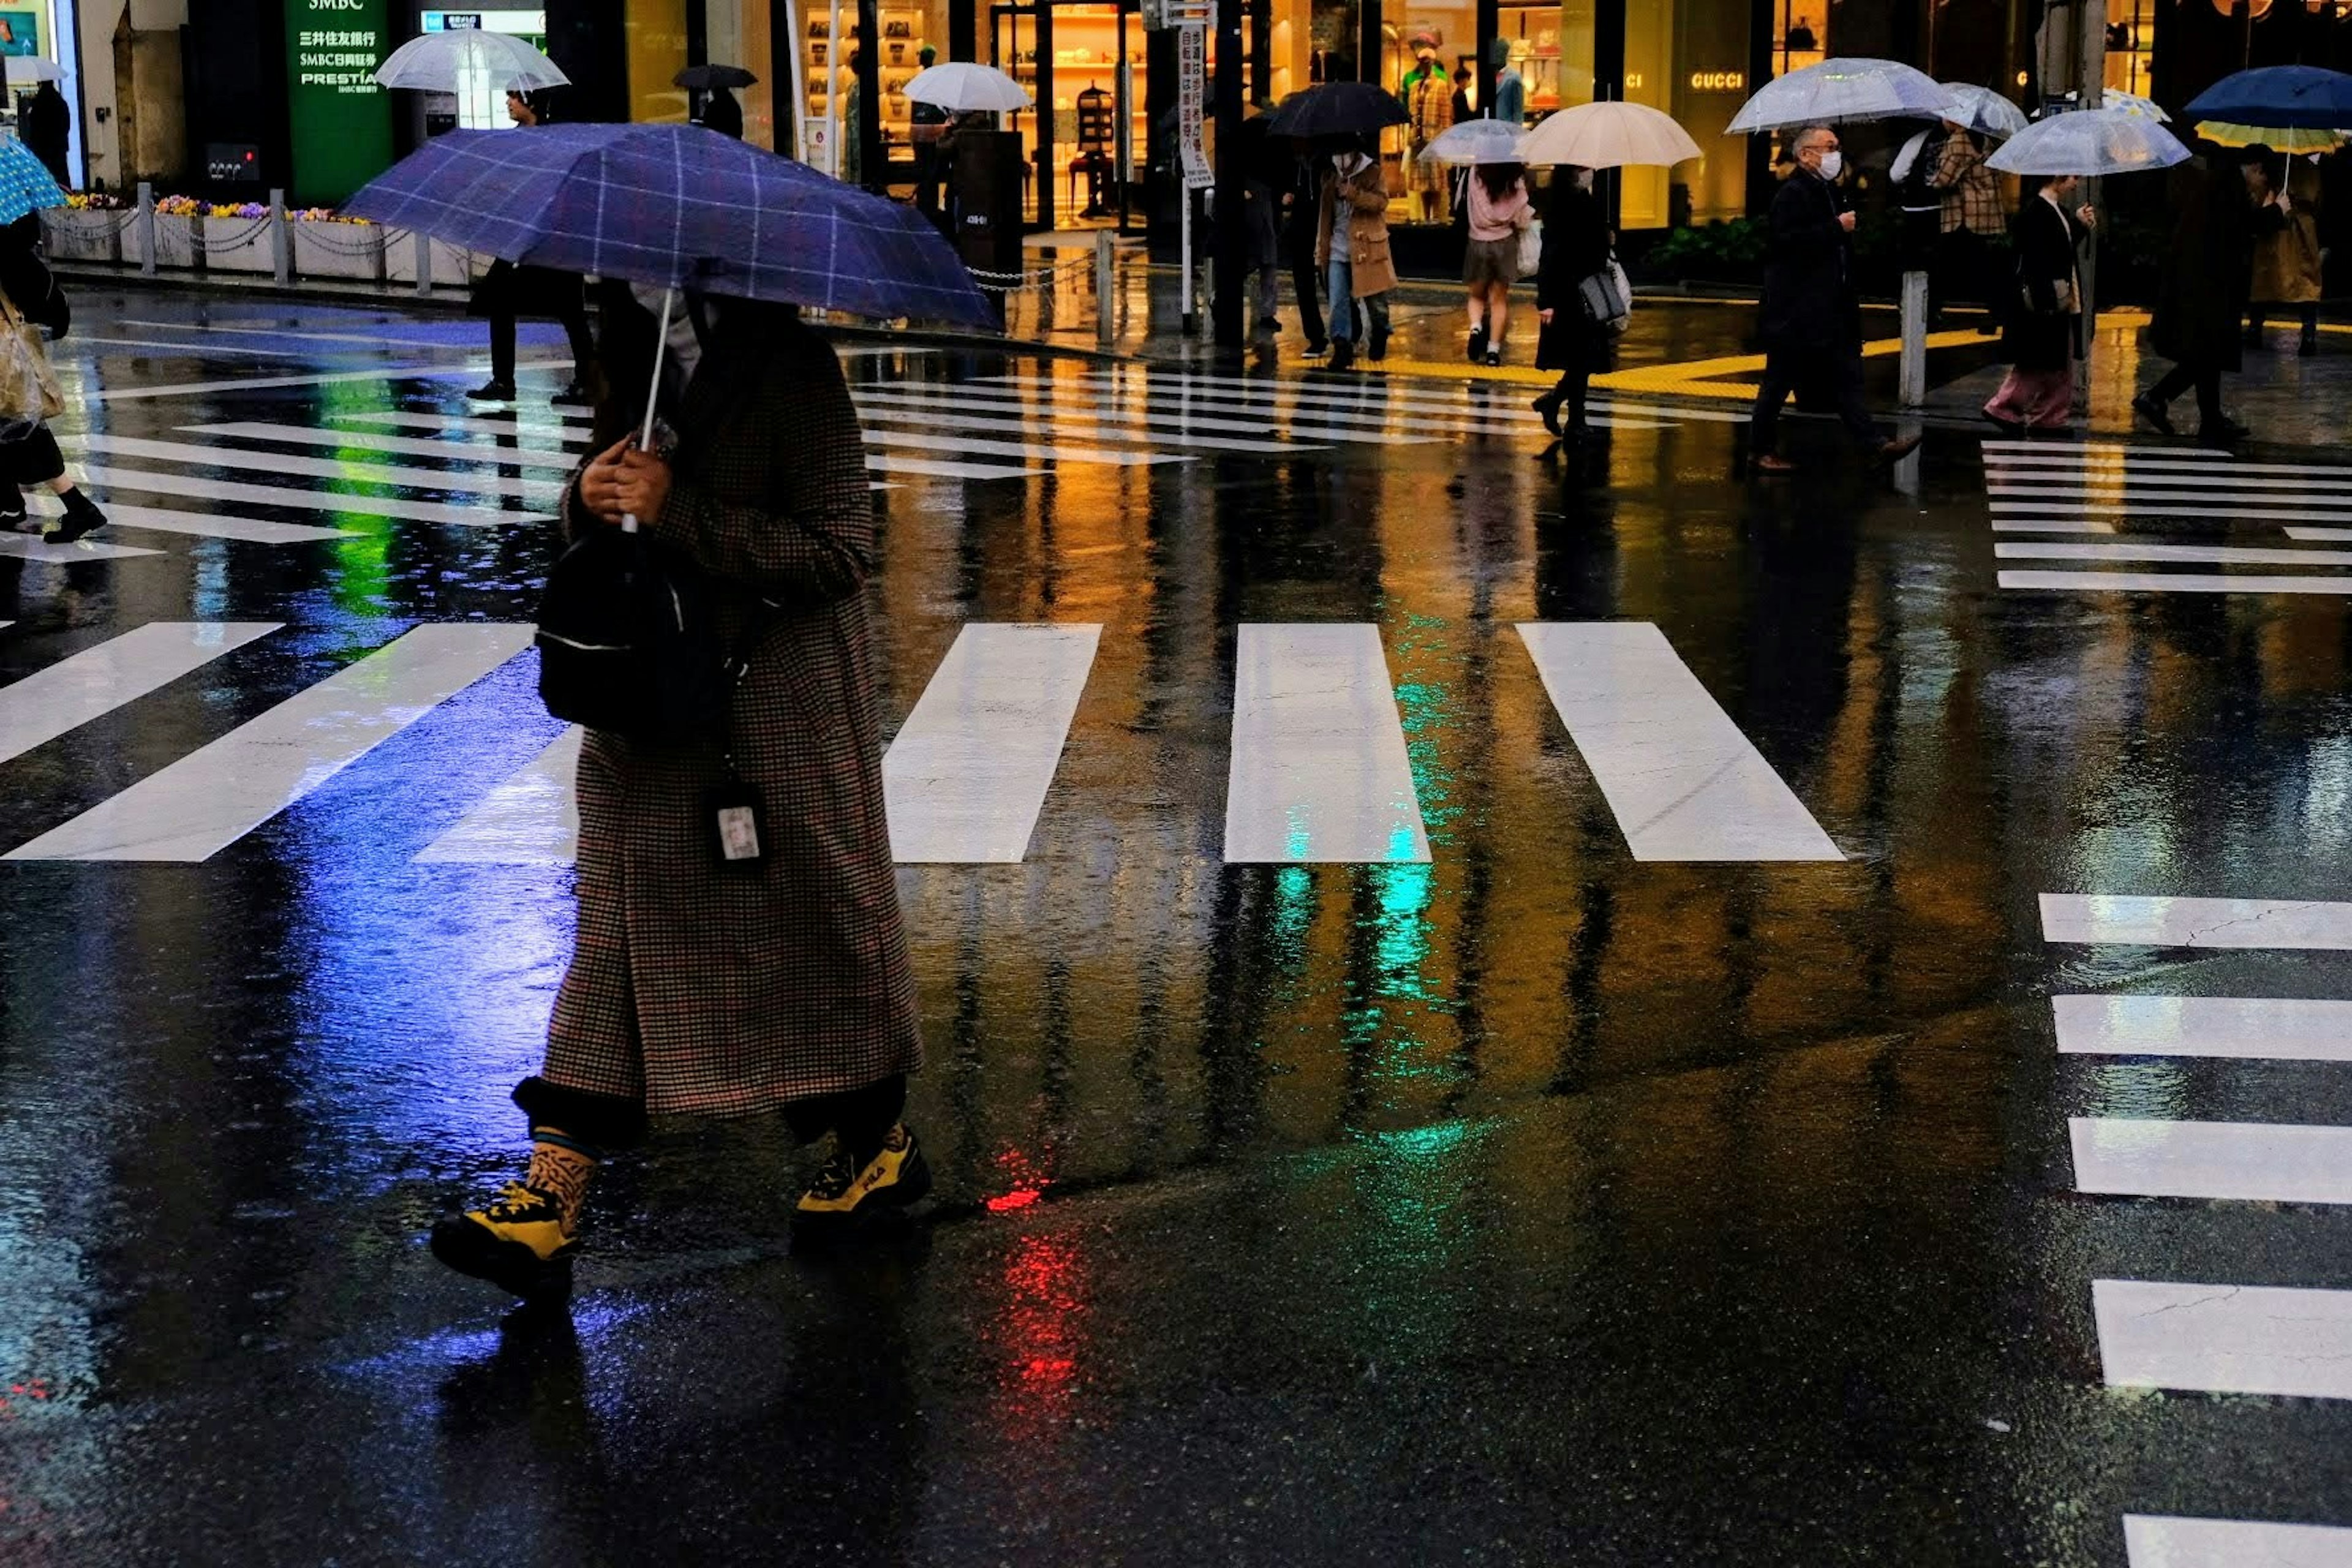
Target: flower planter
(176, 242)
(238, 245)
(83, 234)
(452, 267)
(324, 248)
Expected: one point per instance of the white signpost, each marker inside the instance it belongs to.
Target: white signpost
(1192, 24)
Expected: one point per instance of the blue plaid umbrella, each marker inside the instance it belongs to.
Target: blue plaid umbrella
(677, 206)
(2290, 98)
(25, 184)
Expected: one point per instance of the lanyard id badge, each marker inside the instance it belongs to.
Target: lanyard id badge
(737, 829)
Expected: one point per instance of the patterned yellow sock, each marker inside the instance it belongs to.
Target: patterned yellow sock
(562, 1164)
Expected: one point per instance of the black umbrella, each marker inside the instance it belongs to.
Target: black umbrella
(703, 79)
(1337, 108)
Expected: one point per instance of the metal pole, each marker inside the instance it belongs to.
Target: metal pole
(2089, 89)
(1105, 330)
(1913, 377)
(281, 240)
(147, 227)
(832, 58)
(424, 263)
(1184, 253)
(1226, 304)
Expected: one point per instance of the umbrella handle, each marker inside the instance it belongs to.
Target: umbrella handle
(645, 435)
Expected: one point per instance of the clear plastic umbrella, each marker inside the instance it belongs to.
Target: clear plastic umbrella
(1608, 136)
(455, 60)
(962, 85)
(23, 69)
(1983, 109)
(1476, 141)
(2089, 141)
(1841, 89)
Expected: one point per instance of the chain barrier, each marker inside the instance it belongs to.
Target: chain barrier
(230, 242)
(1010, 280)
(320, 234)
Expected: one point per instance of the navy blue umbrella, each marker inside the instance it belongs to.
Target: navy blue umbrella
(677, 206)
(2289, 98)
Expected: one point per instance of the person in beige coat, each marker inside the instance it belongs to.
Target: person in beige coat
(2286, 252)
(1355, 259)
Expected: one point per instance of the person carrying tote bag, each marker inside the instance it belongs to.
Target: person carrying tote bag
(1575, 342)
(2043, 335)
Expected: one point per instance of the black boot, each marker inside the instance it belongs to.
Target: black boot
(1478, 342)
(1548, 404)
(82, 516)
(1343, 353)
(574, 395)
(2148, 408)
(12, 507)
(493, 391)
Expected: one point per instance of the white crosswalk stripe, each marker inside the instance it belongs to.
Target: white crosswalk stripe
(531, 819)
(539, 433)
(1684, 783)
(2157, 1540)
(97, 681)
(1319, 772)
(1103, 402)
(2237, 1026)
(966, 776)
(2224, 1339)
(403, 445)
(214, 796)
(2265, 1162)
(194, 487)
(196, 455)
(25, 547)
(197, 524)
(884, 408)
(2212, 554)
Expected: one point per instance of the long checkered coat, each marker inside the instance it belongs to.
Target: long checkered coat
(725, 991)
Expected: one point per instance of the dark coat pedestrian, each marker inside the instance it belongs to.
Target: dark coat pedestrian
(725, 990)
(1809, 293)
(1575, 246)
(1811, 321)
(47, 127)
(2201, 304)
(2043, 330)
(30, 456)
(506, 292)
(721, 114)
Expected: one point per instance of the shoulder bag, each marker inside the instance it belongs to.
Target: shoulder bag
(1608, 299)
(29, 394)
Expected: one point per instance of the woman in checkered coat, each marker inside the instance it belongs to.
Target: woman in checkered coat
(697, 986)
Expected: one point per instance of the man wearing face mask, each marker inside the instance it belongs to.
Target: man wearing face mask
(1812, 321)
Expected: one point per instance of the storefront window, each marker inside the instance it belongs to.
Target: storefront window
(1418, 62)
(2131, 33)
(1707, 82)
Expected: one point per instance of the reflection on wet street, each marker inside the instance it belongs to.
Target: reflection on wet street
(1480, 1001)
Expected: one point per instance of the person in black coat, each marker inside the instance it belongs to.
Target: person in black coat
(721, 114)
(1812, 320)
(2042, 334)
(2201, 297)
(28, 453)
(1302, 197)
(507, 291)
(1576, 244)
(45, 126)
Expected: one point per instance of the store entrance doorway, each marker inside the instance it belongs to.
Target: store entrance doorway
(1083, 62)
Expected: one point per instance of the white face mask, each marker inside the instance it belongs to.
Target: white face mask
(1584, 179)
(1833, 165)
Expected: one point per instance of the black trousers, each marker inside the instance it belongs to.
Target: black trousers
(34, 460)
(1569, 392)
(1306, 280)
(1835, 369)
(2205, 379)
(574, 317)
(860, 1117)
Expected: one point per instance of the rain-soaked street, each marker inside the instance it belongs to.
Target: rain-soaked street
(1480, 1007)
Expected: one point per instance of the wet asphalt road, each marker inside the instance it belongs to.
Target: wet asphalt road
(1536, 1203)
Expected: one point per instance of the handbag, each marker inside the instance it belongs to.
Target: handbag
(1608, 299)
(1530, 249)
(29, 394)
(626, 643)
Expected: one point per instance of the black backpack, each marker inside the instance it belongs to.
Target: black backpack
(627, 644)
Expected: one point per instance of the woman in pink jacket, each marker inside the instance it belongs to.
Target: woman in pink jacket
(1498, 210)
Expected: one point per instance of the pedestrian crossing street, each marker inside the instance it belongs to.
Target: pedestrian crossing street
(2125, 496)
(2206, 1335)
(1319, 772)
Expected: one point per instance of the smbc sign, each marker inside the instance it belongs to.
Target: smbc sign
(341, 121)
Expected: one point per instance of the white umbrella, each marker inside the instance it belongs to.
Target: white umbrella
(2089, 141)
(457, 60)
(33, 67)
(1981, 109)
(1608, 136)
(1841, 89)
(1476, 141)
(962, 85)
